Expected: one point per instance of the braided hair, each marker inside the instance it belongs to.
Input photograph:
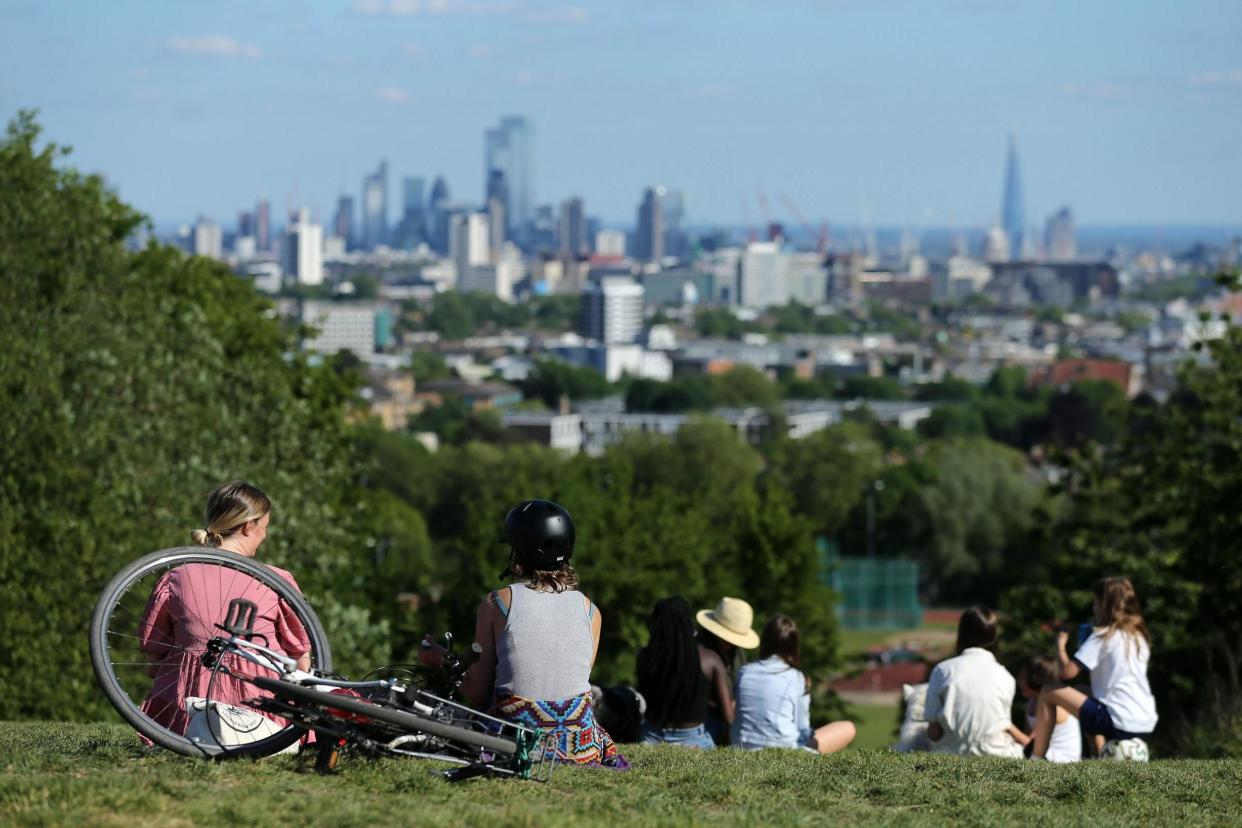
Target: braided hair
(670, 676)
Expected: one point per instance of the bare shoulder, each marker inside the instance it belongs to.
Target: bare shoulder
(710, 659)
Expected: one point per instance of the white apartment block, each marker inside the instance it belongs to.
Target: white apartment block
(304, 250)
(762, 276)
(612, 311)
(609, 243)
(208, 239)
(340, 327)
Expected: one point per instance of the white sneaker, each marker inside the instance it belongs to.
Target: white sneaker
(1126, 750)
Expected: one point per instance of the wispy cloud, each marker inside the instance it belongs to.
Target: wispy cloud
(480, 51)
(545, 15)
(221, 46)
(1228, 79)
(393, 95)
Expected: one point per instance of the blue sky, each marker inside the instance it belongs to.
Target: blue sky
(896, 111)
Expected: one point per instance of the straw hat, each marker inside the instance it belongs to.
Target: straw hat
(731, 621)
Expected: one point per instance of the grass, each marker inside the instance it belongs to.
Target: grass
(70, 774)
(876, 724)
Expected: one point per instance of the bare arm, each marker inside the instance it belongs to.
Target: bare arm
(1018, 736)
(480, 679)
(597, 624)
(718, 681)
(1069, 667)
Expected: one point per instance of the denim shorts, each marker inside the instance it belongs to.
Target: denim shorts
(691, 737)
(1097, 721)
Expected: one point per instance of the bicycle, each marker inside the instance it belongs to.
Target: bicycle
(398, 715)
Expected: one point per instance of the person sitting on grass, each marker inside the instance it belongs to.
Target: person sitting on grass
(672, 678)
(774, 700)
(539, 637)
(186, 603)
(1036, 673)
(970, 696)
(1120, 713)
(722, 633)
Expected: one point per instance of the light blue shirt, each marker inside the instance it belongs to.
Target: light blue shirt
(773, 706)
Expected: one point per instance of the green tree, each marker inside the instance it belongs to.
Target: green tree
(134, 383)
(551, 379)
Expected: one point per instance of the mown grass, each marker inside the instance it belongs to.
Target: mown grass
(60, 774)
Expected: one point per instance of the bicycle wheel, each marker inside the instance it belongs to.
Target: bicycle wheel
(147, 665)
(387, 715)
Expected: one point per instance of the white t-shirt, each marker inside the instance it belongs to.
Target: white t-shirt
(971, 695)
(1118, 665)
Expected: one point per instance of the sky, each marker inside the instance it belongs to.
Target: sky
(893, 112)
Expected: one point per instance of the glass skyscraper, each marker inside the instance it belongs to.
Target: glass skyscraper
(1012, 218)
(509, 151)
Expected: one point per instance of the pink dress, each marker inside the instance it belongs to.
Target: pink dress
(180, 618)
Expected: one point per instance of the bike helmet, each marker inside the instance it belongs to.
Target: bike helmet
(541, 534)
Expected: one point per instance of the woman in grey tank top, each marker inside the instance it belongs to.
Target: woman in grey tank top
(539, 636)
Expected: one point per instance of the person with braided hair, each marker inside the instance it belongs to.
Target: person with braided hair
(672, 678)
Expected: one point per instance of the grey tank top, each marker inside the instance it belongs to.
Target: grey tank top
(546, 647)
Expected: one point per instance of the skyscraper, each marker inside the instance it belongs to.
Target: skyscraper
(208, 239)
(1059, 236)
(573, 228)
(375, 208)
(263, 225)
(343, 221)
(675, 242)
(438, 208)
(304, 249)
(649, 238)
(509, 149)
(412, 229)
(1012, 217)
(497, 209)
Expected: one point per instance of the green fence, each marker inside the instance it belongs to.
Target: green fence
(874, 593)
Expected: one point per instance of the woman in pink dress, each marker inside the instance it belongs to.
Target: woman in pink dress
(189, 601)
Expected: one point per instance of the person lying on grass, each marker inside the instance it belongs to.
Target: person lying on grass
(539, 636)
(774, 700)
(970, 696)
(1120, 713)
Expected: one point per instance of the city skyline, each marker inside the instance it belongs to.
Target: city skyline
(861, 113)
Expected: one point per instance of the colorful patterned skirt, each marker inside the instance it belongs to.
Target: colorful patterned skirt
(577, 736)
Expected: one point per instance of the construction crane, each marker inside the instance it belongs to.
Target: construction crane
(775, 230)
(821, 238)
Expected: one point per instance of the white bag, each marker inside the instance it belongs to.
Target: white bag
(227, 725)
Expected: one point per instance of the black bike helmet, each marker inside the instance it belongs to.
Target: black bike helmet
(541, 534)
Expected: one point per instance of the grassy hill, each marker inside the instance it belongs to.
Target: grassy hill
(60, 774)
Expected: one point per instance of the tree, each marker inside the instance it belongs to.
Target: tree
(551, 379)
(827, 473)
(132, 384)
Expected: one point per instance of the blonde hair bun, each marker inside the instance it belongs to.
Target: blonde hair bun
(199, 536)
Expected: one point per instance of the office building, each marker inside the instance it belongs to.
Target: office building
(263, 225)
(438, 216)
(245, 223)
(612, 311)
(411, 230)
(1060, 236)
(806, 278)
(208, 239)
(610, 243)
(572, 230)
(375, 208)
(509, 151)
(343, 221)
(340, 327)
(469, 242)
(1012, 214)
(762, 276)
(676, 241)
(649, 237)
(304, 250)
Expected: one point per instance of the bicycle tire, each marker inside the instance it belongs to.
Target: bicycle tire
(101, 636)
(387, 715)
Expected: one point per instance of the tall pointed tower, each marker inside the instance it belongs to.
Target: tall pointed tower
(1012, 218)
